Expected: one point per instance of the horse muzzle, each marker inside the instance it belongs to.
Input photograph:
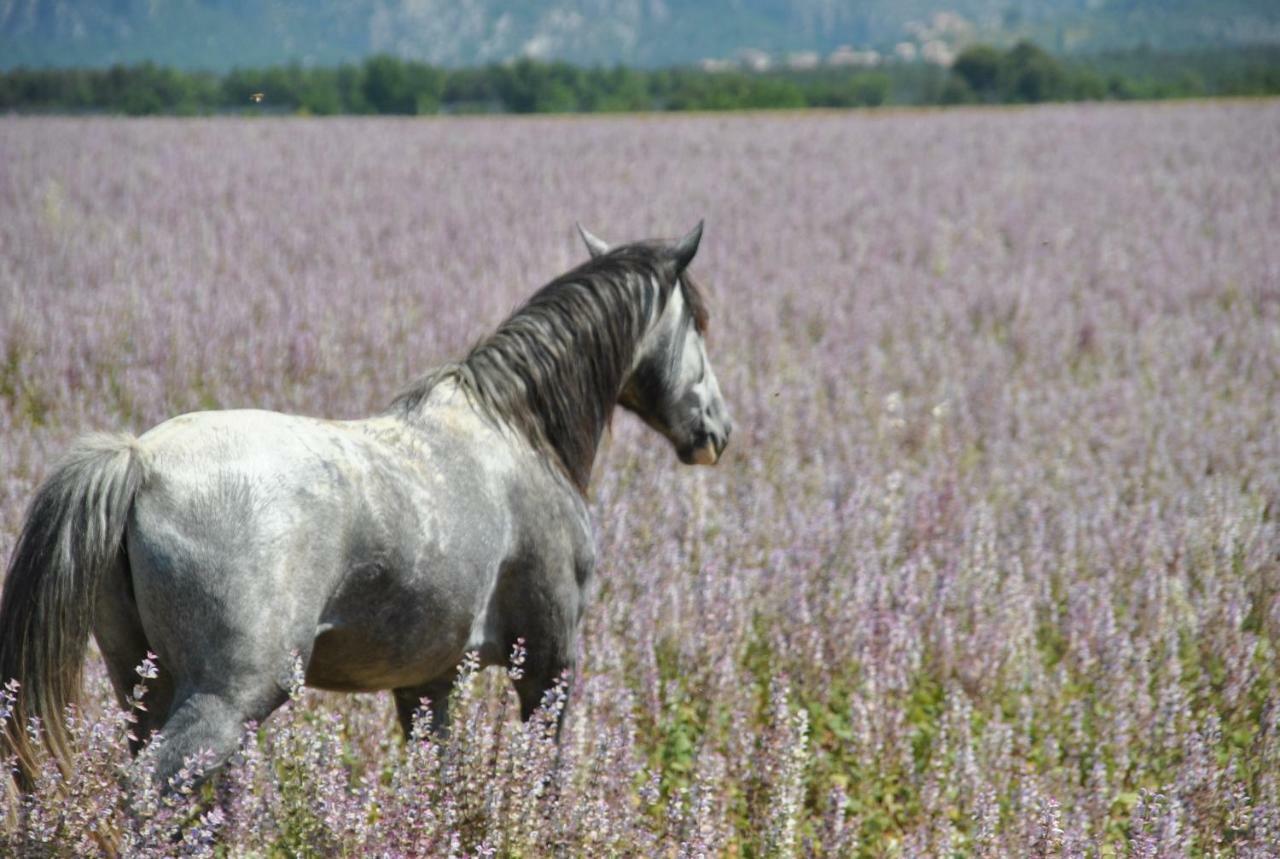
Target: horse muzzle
(705, 454)
(707, 449)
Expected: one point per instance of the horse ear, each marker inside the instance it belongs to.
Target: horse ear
(687, 247)
(596, 246)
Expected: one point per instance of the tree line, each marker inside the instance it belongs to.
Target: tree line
(385, 84)
(1026, 74)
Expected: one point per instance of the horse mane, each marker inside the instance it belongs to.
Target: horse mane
(554, 369)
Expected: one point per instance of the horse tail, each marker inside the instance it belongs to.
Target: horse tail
(72, 536)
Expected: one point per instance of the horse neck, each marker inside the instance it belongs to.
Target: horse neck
(564, 373)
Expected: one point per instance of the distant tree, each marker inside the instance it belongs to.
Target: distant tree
(560, 88)
(281, 88)
(1024, 73)
(350, 84)
(319, 93)
(150, 89)
(517, 85)
(391, 85)
(957, 91)
(1029, 74)
(978, 69)
(470, 90)
(76, 91)
(1255, 79)
(386, 86)
(1119, 87)
(872, 89)
(528, 86)
(620, 89)
(768, 93)
(1087, 85)
(1189, 83)
(426, 83)
(843, 89)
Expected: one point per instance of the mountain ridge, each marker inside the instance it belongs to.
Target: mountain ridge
(222, 34)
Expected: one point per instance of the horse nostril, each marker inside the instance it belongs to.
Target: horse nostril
(721, 440)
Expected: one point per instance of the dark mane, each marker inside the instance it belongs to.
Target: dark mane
(555, 368)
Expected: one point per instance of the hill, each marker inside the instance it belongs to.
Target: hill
(222, 34)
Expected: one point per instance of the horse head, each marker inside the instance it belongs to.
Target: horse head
(672, 386)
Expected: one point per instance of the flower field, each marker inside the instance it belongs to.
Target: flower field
(991, 567)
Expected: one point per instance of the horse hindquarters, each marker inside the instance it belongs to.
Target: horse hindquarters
(206, 586)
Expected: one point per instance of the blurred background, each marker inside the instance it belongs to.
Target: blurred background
(486, 56)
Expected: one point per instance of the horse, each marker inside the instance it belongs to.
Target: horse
(378, 552)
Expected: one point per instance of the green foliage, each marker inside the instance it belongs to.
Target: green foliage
(387, 84)
(1026, 74)
(1023, 74)
(977, 70)
(390, 85)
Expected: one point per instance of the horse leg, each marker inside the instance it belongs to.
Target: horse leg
(550, 633)
(123, 643)
(541, 679)
(408, 702)
(532, 689)
(212, 721)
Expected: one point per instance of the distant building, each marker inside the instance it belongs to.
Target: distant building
(847, 56)
(937, 40)
(711, 64)
(755, 59)
(938, 52)
(803, 61)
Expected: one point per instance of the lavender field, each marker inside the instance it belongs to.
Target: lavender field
(991, 567)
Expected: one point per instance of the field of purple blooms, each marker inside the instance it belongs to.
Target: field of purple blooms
(991, 568)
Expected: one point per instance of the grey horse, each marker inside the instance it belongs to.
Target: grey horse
(379, 552)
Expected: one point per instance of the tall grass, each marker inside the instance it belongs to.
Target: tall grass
(992, 566)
